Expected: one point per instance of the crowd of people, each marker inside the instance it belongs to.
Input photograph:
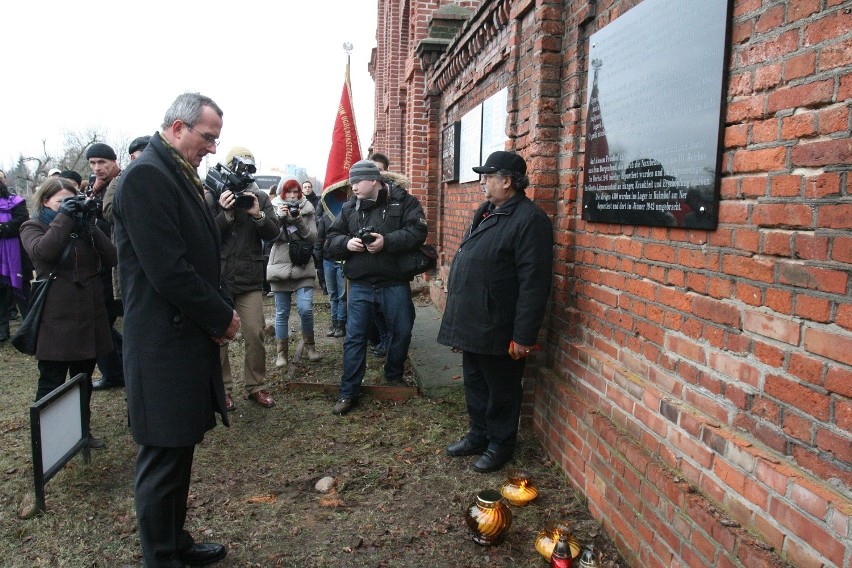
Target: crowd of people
(187, 266)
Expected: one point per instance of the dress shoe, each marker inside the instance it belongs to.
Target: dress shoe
(467, 446)
(262, 398)
(203, 554)
(342, 406)
(229, 403)
(493, 459)
(104, 384)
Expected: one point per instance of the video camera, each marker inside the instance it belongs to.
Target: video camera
(236, 179)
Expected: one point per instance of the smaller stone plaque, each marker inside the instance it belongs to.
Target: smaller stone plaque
(449, 152)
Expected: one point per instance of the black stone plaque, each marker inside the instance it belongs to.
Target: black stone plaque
(654, 121)
(449, 152)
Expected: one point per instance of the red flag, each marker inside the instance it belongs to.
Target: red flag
(345, 147)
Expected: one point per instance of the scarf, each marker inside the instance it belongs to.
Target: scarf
(11, 273)
(188, 171)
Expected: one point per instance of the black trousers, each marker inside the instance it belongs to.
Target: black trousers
(162, 488)
(493, 391)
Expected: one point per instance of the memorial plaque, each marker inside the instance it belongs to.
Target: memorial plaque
(449, 152)
(655, 116)
(470, 144)
(494, 116)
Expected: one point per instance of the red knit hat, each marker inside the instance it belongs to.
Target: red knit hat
(290, 184)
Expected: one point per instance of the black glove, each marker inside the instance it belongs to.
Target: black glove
(70, 206)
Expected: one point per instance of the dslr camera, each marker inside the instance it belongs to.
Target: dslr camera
(292, 208)
(236, 177)
(90, 210)
(365, 236)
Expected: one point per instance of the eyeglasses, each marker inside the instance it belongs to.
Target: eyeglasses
(486, 177)
(209, 138)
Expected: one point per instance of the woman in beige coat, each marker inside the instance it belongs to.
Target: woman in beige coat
(286, 276)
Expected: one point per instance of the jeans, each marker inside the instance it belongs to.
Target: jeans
(335, 283)
(395, 302)
(304, 305)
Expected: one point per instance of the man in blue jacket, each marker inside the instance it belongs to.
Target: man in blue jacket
(498, 288)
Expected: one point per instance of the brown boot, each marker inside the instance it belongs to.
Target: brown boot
(310, 346)
(281, 346)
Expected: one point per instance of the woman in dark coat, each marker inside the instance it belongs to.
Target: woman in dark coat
(74, 327)
(497, 294)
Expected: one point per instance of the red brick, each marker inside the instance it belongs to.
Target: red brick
(770, 475)
(803, 398)
(839, 380)
(827, 27)
(835, 55)
(822, 185)
(801, 555)
(770, 19)
(766, 409)
(686, 348)
(753, 186)
(812, 277)
(834, 119)
(813, 309)
(801, 96)
(843, 316)
(811, 247)
(822, 153)
(799, 427)
(785, 185)
(736, 135)
(838, 445)
(835, 346)
(835, 216)
(808, 531)
(799, 126)
(777, 243)
(765, 131)
(805, 368)
(771, 326)
(800, 66)
(779, 300)
(796, 215)
(843, 414)
(802, 9)
(809, 501)
(749, 268)
(768, 354)
(735, 368)
(765, 160)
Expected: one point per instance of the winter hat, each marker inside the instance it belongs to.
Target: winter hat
(138, 144)
(71, 174)
(288, 185)
(365, 169)
(100, 150)
(502, 160)
(240, 151)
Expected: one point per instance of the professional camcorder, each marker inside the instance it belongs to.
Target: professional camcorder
(236, 179)
(365, 236)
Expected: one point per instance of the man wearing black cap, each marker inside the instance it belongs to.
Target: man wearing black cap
(370, 234)
(104, 165)
(498, 288)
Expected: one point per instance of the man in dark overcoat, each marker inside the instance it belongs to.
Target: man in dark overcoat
(497, 294)
(176, 316)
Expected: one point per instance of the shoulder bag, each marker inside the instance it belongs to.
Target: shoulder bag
(26, 338)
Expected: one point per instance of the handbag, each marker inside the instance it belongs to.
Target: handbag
(26, 337)
(301, 251)
(417, 261)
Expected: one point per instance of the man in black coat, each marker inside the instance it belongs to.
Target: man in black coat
(498, 288)
(176, 316)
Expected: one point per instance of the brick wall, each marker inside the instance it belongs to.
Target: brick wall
(695, 385)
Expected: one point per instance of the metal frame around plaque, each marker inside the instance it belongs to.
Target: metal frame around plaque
(450, 152)
(654, 124)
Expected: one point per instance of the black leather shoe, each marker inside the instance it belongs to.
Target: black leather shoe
(493, 459)
(203, 554)
(467, 446)
(104, 384)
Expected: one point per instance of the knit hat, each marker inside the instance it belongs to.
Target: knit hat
(100, 150)
(240, 151)
(138, 144)
(289, 185)
(365, 169)
(71, 174)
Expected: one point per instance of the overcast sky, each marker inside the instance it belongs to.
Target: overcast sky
(276, 68)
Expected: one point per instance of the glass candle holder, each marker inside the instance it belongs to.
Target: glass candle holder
(519, 489)
(546, 539)
(488, 517)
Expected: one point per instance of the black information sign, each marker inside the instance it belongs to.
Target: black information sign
(449, 152)
(654, 121)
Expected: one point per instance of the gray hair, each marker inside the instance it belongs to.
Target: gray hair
(187, 108)
(519, 181)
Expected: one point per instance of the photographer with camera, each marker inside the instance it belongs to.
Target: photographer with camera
(245, 218)
(104, 165)
(74, 328)
(382, 221)
(291, 269)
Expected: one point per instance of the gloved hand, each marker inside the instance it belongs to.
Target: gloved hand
(70, 206)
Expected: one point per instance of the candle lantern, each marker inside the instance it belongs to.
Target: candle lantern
(546, 540)
(519, 489)
(590, 558)
(488, 517)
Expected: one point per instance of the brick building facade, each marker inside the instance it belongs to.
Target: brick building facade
(695, 385)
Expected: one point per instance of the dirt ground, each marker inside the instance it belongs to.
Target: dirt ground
(398, 500)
